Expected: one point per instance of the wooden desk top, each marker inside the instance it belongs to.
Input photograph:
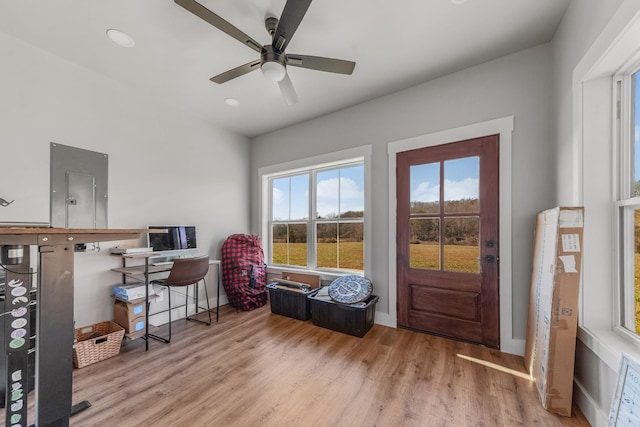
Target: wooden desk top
(57, 236)
(47, 230)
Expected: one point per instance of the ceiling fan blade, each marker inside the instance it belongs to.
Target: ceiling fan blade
(321, 64)
(236, 72)
(288, 92)
(291, 17)
(215, 20)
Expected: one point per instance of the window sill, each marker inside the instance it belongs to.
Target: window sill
(324, 275)
(608, 345)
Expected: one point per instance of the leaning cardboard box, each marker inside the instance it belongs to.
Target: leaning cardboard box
(553, 306)
(96, 342)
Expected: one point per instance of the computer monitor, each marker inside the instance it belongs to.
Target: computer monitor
(177, 237)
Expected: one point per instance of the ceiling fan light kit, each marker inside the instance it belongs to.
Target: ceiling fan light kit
(273, 58)
(273, 64)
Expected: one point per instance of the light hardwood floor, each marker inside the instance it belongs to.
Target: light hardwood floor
(261, 369)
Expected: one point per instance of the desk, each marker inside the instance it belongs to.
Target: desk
(55, 329)
(148, 268)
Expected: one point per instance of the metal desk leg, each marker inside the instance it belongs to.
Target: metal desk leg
(218, 296)
(146, 304)
(54, 337)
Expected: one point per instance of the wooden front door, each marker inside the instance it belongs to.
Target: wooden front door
(447, 240)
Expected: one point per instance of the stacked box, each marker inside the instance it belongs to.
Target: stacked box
(132, 291)
(353, 319)
(290, 302)
(131, 316)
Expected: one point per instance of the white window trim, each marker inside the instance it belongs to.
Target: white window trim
(337, 158)
(604, 59)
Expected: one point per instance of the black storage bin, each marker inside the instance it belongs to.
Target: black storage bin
(352, 319)
(290, 303)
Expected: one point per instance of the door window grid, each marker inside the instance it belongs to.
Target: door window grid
(445, 235)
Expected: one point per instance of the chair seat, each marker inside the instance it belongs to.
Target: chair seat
(183, 273)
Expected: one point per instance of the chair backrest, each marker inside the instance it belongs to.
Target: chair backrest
(187, 271)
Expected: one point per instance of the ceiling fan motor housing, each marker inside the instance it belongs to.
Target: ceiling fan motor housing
(271, 54)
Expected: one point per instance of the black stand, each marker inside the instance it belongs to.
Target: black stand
(55, 328)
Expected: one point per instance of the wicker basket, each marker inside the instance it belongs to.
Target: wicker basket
(97, 342)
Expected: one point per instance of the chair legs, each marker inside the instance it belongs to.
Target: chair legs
(206, 295)
(193, 319)
(159, 338)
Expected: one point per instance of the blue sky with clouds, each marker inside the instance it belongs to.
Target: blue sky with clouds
(461, 180)
(338, 191)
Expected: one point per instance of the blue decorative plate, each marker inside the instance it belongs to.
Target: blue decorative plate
(350, 289)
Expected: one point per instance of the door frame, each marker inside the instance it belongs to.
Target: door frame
(504, 128)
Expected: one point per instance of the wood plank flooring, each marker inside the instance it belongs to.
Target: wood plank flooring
(261, 369)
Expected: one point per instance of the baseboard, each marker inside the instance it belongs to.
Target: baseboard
(385, 319)
(588, 406)
(513, 346)
(223, 300)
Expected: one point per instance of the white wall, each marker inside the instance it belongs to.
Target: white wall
(584, 165)
(164, 167)
(517, 85)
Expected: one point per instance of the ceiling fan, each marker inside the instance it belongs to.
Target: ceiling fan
(273, 60)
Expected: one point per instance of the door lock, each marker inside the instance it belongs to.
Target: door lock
(489, 258)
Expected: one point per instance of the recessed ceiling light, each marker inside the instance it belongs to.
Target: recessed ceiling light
(120, 38)
(232, 102)
(458, 1)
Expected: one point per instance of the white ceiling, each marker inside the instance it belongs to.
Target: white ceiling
(396, 44)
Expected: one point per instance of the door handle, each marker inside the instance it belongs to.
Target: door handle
(490, 258)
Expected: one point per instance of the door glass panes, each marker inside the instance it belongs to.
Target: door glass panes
(289, 244)
(461, 249)
(290, 198)
(635, 167)
(461, 185)
(425, 188)
(424, 243)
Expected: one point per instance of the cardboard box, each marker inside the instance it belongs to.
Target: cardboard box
(313, 280)
(130, 316)
(553, 306)
(131, 291)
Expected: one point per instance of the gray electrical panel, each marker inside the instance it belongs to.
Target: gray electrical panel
(79, 187)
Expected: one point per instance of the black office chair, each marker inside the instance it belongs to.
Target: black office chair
(186, 272)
